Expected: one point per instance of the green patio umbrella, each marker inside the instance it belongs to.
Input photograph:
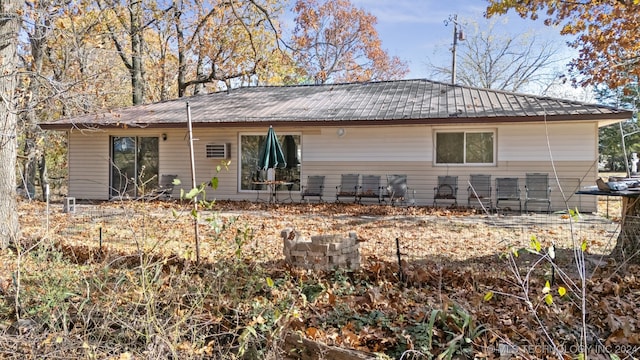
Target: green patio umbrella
(271, 154)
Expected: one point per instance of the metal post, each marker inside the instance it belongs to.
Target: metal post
(46, 196)
(400, 272)
(193, 184)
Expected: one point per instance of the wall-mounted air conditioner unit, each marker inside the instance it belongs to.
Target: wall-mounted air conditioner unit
(218, 151)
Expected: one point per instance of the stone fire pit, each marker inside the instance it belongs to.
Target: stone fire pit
(322, 252)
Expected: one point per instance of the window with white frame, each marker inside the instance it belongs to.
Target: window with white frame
(250, 174)
(465, 147)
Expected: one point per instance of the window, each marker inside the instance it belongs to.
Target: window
(250, 151)
(465, 147)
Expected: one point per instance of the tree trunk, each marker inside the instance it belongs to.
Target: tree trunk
(44, 176)
(9, 24)
(31, 130)
(198, 88)
(29, 165)
(304, 349)
(137, 69)
(182, 60)
(628, 244)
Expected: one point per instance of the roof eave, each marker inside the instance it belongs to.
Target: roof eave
(603, 120)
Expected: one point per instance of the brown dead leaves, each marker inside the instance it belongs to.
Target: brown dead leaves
(445, 263)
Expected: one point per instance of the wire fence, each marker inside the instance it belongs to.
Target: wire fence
(421, 233)
(477, 236)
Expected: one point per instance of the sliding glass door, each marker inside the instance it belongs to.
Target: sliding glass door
(134, 165)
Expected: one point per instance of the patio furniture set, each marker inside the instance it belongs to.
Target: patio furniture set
(507, 190)
(361, 187)
(368, 187)
(355, 186)
(537, 190)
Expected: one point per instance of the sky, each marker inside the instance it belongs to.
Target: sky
(415, 31)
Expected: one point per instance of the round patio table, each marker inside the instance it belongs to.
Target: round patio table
(272, 186)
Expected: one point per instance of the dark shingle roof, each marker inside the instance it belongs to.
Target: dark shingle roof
(397, 102)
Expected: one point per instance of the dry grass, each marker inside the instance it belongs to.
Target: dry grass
(424, 233)
(118, 280)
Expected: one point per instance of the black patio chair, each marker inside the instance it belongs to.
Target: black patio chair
(348, 186)
(479, 191)
(447, 190)
(165, 187)
(537, 190)
(313, 188)
(369, 189)
(508, 189)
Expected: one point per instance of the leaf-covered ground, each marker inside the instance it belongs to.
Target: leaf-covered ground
(461, 291)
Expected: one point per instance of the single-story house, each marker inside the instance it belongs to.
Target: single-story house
(420, 128)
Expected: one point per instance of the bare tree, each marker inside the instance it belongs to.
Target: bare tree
(223, 41)
(505, 62)
(133, 18)
(9, 24)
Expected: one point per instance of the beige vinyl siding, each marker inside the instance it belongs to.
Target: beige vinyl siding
(411, 143)
(175, 159)
(363, 150)
(567, 142)
(89, 165)
(206, 168)
(408, 150)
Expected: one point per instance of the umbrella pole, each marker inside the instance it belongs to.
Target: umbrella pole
(193, 185)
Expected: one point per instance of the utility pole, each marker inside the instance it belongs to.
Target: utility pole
(457, 35)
